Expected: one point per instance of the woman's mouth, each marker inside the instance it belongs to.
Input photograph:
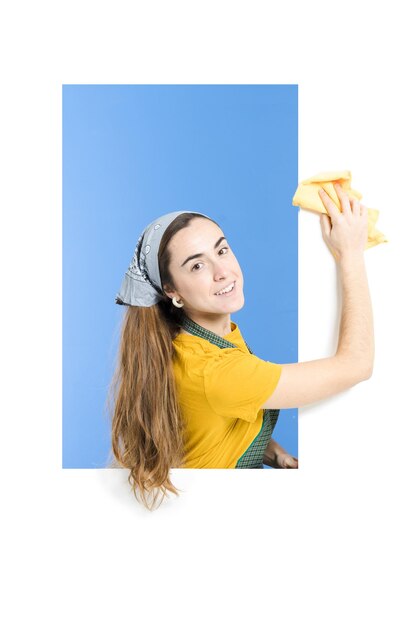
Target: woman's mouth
(229, 290)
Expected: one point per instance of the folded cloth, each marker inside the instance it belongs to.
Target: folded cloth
(307, 197)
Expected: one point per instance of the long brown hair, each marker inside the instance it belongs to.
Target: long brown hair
(147, 429)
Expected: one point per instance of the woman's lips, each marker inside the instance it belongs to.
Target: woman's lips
(229, 293)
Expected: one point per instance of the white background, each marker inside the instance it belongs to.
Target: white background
(333, 542)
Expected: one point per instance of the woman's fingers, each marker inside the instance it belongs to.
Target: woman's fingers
(355, 206)
(325, 225)
(344, 229)
(344, 200)
(332, 208)
(350, 206)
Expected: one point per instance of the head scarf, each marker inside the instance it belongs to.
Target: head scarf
(141, 285)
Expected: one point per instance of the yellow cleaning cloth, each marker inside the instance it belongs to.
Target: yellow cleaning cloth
(307, 197)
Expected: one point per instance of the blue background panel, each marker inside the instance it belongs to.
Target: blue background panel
(133, 152)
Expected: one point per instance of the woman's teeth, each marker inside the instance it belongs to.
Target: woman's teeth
(226, 291)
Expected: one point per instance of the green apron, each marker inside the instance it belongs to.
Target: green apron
(252, 458)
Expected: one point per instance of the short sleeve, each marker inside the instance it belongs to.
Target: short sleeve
(237, 384)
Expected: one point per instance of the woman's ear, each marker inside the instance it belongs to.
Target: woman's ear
(168, 292)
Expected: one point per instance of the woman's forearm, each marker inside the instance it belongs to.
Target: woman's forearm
(356, 337)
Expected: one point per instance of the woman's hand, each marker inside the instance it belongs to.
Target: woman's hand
(344, 232)
(275, 456)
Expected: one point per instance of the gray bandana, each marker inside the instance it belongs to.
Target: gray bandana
(141, 285)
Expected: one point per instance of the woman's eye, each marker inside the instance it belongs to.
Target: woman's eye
(224, 248)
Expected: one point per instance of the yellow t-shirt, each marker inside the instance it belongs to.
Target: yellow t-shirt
(220, 391)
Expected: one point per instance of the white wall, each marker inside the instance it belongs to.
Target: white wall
(332, 541)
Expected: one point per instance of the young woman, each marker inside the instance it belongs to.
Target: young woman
(188, 391)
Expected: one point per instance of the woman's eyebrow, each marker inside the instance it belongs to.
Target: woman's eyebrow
(194, 256)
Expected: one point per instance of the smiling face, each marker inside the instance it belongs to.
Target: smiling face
(202, 264)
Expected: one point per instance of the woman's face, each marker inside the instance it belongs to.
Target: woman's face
(212, 268)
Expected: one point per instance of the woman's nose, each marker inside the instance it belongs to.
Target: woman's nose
(220, 272)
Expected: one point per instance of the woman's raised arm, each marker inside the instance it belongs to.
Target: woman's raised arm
(303, 383)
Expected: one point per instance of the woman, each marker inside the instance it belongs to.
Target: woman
(189, 392)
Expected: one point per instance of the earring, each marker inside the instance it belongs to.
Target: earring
(174, 301)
